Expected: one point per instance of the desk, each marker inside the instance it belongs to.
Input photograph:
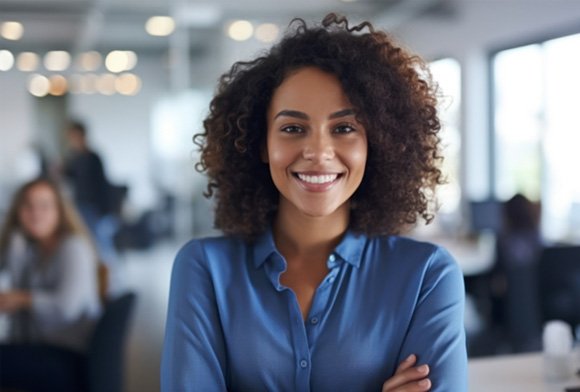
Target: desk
(513, 373)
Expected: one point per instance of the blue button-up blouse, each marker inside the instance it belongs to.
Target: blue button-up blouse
(232, 325)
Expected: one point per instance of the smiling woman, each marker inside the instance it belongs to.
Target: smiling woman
(318, 154)
(316, 149)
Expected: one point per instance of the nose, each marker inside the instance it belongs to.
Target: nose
(318, 147)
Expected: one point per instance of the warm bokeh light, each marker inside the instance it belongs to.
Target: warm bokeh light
(240, 30)
(6, 60)
(131, 60)
(58, 85)
(106, 84)
(89, 61)
(120, 60)
(56, 60)
(267, 32)
(88, 84)
(74, 83)
(38, 85)
(160, 26)
(128, 84)
(11, 30)
(27, 61)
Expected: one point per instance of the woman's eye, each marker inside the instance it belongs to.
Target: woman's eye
(344, 128)
(292, 129)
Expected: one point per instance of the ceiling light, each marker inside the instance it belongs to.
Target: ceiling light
(88, 83)
(6, 60)
(120, 60)
(74, 84)
(38, 85)
(58, 85)
(11, 30)
(128, 84)
(240, 30)
(89, 61)
(56, 60)
(106, 84)
(267, 32)
(160, 26)
(27, 61)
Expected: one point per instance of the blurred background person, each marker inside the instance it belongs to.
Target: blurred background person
(96, 199)
(53, 299)
(515, 274)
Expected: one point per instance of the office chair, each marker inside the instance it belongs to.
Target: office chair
(559, 284)
(105, 358)
(55, 368)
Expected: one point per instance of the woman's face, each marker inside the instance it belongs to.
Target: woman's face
(316, 149)
(38, 214)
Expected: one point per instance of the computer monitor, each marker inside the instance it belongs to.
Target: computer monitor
(486, 215)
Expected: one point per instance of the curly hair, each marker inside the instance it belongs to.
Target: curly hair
(393, 96)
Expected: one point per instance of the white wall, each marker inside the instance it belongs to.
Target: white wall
(16, 132)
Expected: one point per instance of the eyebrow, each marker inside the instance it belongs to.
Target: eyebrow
(304, 116)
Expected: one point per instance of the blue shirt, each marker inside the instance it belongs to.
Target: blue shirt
(232, 326)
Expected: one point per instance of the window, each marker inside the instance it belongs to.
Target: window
(537, 135)
(447, 74)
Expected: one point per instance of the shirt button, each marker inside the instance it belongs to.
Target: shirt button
(303, 364)
(331, 258)
(314, 320)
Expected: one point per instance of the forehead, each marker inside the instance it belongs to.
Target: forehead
(309, 90)
(40, 191)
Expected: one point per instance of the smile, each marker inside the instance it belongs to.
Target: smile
(317, 179)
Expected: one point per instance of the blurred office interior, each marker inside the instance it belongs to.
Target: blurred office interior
(140, 74)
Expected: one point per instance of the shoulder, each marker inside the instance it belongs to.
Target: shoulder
(403, 255)
(210, 250)
(204, 260)
(411, 250)
(77, 245)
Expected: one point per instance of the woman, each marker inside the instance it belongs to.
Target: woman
(54, 296)
(318, 153)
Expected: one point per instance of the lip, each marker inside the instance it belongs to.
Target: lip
(321, 186)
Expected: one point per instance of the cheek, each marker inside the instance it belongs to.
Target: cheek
(278, 155)
(357, 157)
(52, 219)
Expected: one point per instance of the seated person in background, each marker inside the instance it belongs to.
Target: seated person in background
(52, 265)
(515, 280)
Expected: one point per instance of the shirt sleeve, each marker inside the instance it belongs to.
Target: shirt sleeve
(436, 334)
(76, 286)
(194, 350)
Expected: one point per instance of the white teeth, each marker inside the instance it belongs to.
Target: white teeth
(318, 179)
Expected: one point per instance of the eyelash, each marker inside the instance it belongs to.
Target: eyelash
(292, 129)
(338, 129)
(342, 126)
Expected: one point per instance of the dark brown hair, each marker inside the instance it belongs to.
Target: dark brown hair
(395, 100)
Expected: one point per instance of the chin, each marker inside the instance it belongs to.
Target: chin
(319, 212)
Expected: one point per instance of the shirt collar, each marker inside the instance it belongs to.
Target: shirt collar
(349, 249)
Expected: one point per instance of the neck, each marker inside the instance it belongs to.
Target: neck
(299, 235)
(48, 245)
